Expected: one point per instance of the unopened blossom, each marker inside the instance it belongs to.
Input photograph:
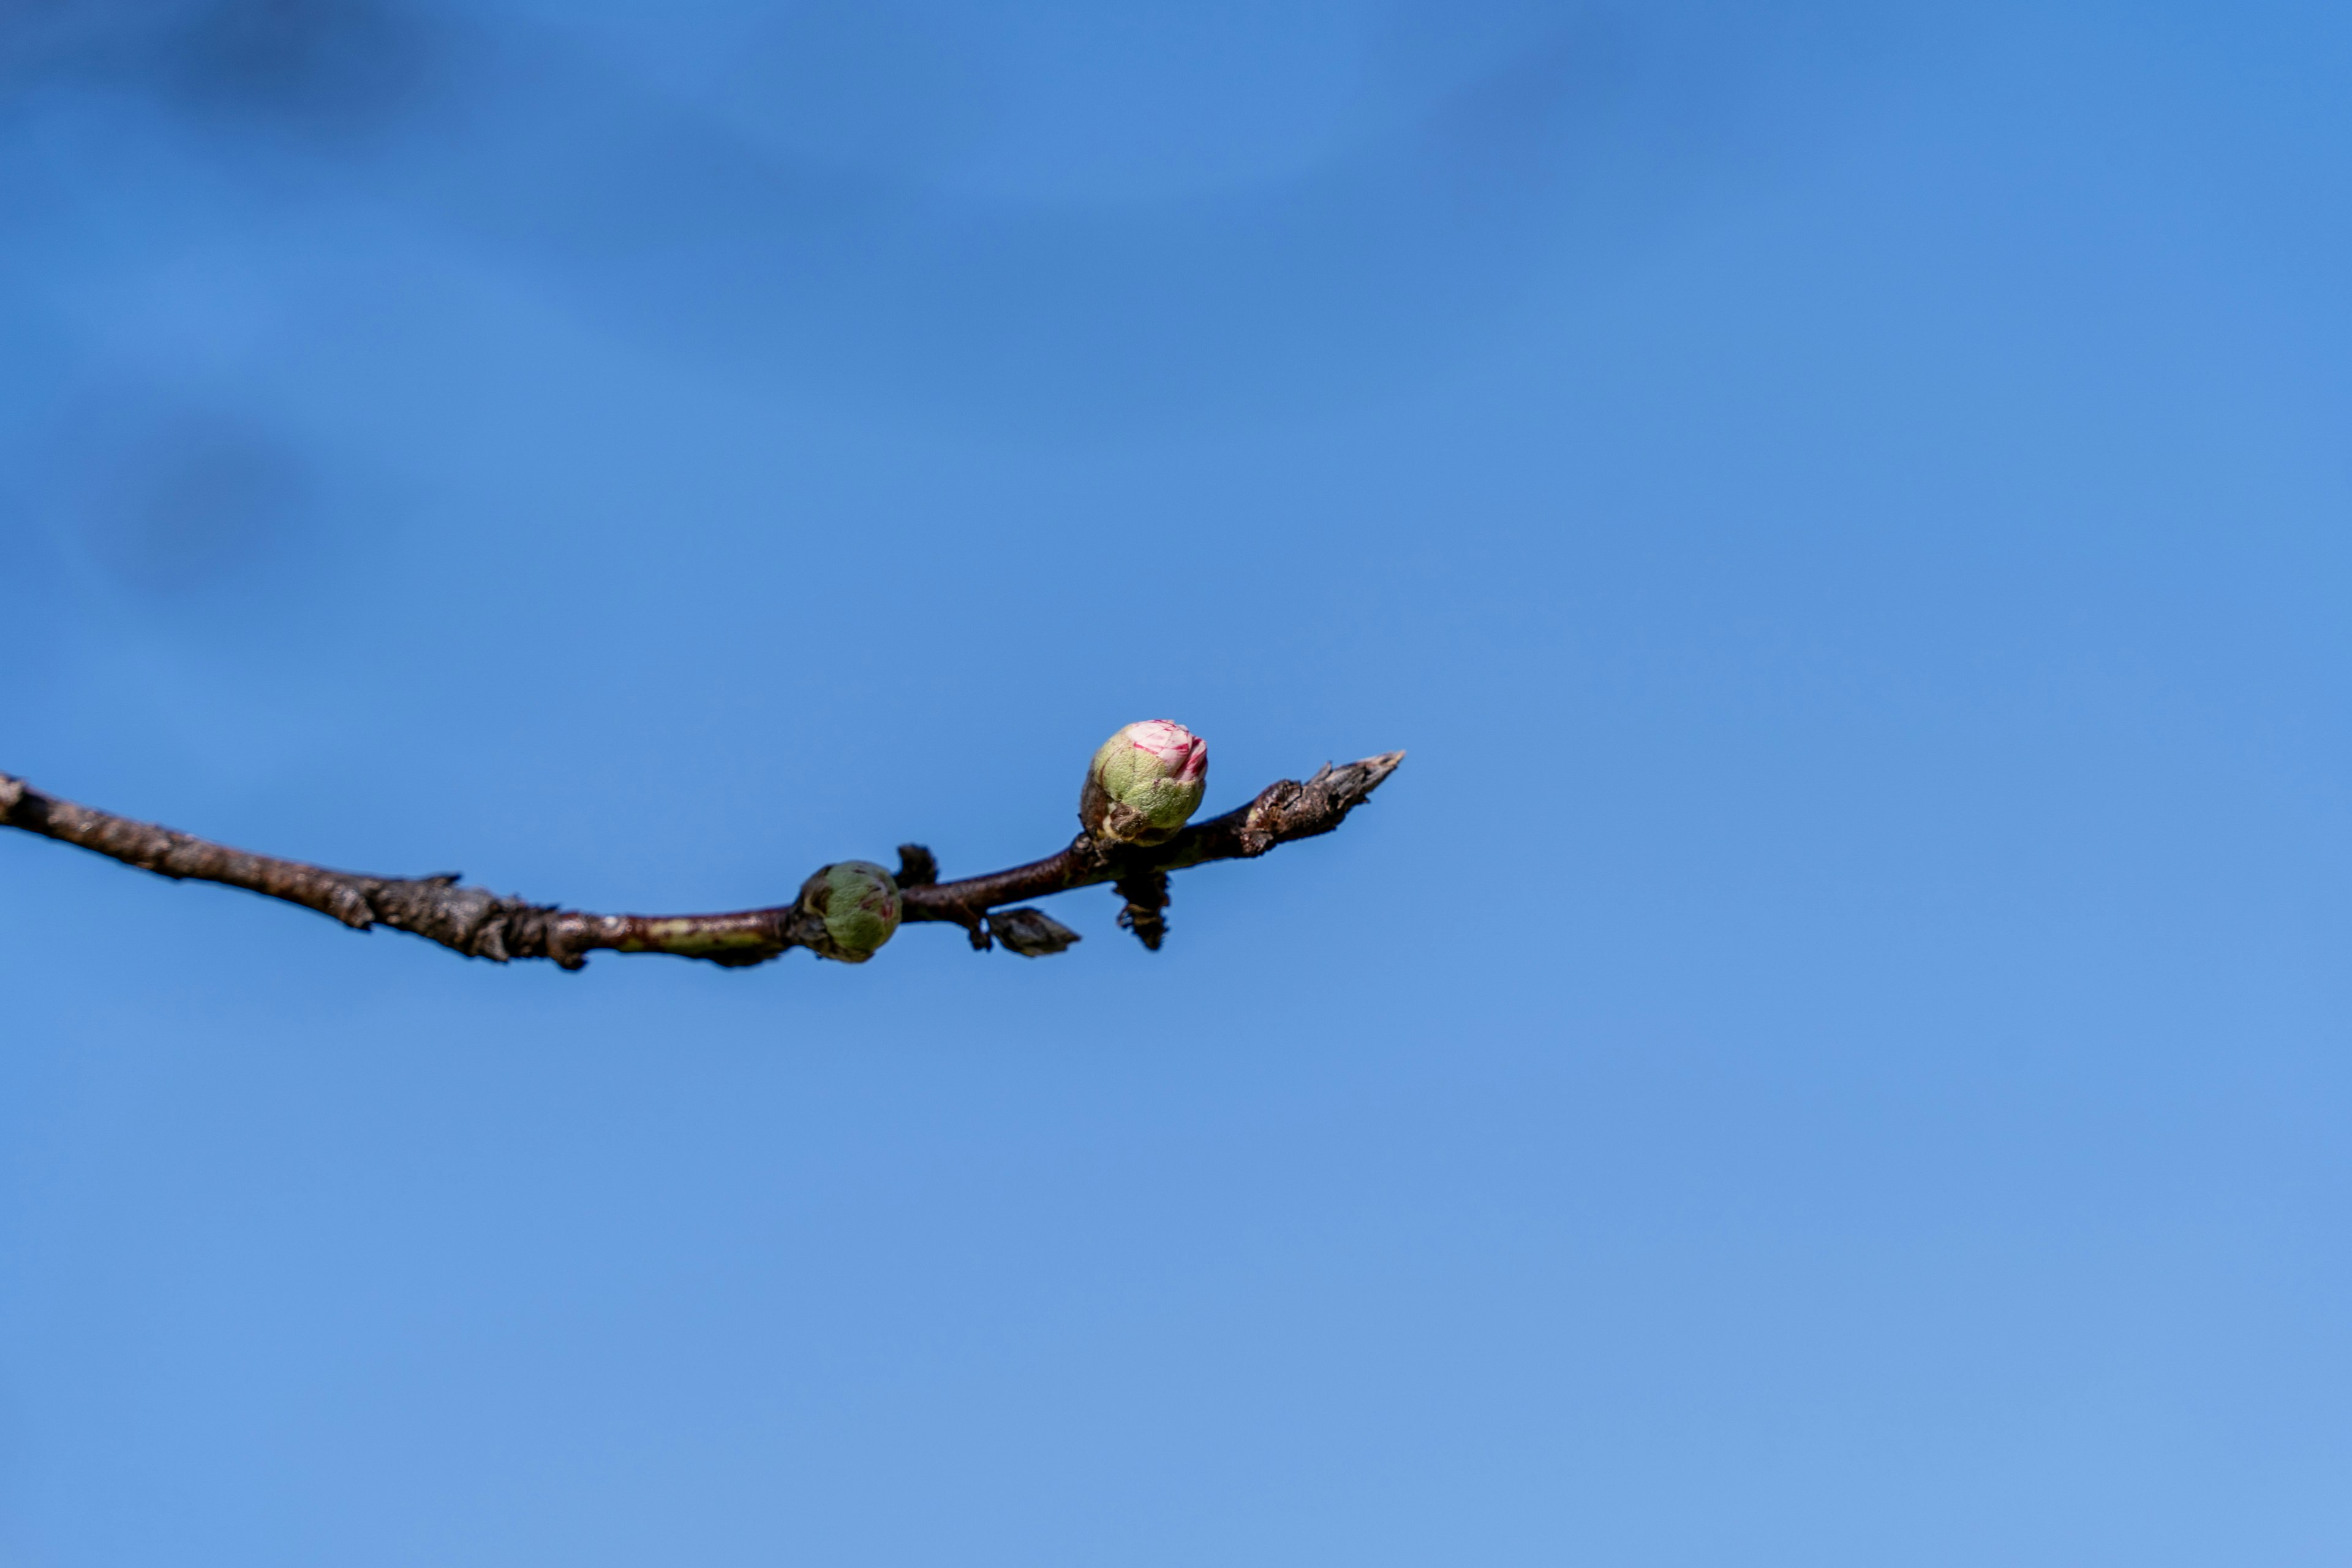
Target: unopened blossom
(1144, 783)
(858, 903)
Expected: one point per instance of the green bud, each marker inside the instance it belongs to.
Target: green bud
(857, 902)
(1144, 783)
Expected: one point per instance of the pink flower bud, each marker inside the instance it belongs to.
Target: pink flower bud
(1144, 783)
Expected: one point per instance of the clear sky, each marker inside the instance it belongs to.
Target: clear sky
(1833, 1050)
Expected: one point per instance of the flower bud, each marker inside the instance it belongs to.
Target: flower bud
(1144, 782)
(857, 902)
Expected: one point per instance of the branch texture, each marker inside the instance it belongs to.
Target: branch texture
(481, 924)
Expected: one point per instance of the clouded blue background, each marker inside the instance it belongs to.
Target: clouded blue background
(1833, 1050)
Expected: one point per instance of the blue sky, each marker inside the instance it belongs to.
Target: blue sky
(1832, 1050)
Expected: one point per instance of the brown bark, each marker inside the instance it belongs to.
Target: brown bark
(480, 924)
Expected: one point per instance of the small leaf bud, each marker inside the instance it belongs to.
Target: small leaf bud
(857, 902)
(1032, 934)
(1144, 782)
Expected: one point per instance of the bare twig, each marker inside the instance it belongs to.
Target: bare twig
(480, 924)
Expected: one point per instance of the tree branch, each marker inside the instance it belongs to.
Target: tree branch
(480, 924)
